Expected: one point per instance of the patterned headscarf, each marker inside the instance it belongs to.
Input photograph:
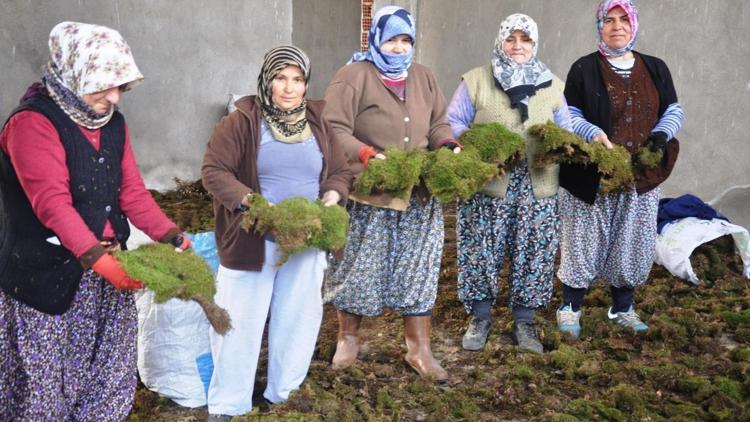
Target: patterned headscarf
(601, 12)
(519, 81)
(386, 24)
(86, 59)
(287, 126)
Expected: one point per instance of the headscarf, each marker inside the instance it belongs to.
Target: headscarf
(601, 12)
(86, 59)
(519, 81)
(386, 24)
(287, 126)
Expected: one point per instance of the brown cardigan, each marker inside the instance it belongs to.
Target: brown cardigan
(362, 111)
(230, 172)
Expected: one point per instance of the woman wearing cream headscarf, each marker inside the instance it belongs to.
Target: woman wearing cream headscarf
(514, 215)
(616, 96)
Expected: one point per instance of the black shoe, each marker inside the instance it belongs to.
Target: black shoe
(526, 338)
(476, 334)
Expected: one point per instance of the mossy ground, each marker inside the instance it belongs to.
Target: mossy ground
(694, 364)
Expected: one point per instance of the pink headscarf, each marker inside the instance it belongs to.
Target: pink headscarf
(601, 12)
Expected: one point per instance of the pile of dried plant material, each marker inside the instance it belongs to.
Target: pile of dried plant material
(297, 224)
(495, 144)
(557, 145)
(188, 205)
(396, 175)
(450, 176)
(170, 274)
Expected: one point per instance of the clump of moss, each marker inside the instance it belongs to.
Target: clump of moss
(567, 359)
(593, 410)
(555, 144)
(495, 144)
(176, 275)
(648, 158)
(297, 224)
(628, 399)
(451, 176)
(396, 175)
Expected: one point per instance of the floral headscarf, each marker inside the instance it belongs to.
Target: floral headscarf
(387, 23)
(286, 125)
(519, 81)
(601, 12)
(86, 59)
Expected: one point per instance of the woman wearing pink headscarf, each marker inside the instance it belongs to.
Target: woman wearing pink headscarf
(615, 96)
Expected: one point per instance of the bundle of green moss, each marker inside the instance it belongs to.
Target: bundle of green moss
(396, 175)
(495, 144)
(297, 224)
(176, 275)
(450, 176)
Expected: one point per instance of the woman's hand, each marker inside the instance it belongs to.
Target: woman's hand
(108, 267)
(602, 138)
(331, 198)
(181, 243)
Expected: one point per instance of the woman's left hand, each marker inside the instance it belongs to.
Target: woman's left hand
(331, 198)
(181, 243)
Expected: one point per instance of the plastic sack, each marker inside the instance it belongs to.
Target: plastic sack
(679, 239)
(174, 352)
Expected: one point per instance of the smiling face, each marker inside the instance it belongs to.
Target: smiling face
(288, 88)
(400, 44)
(616, 32)
(518, 46)
(101, 102)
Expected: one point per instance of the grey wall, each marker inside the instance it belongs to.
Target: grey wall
(702, 41)
(328, 31)
(193, 54)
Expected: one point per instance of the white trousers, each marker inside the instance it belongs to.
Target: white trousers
(292, 294)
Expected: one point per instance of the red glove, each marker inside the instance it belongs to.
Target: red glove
(365, 153)
(181, 242)
(108, 267)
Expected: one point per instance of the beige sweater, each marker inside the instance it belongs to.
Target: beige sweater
(363, 111)
(493, 106)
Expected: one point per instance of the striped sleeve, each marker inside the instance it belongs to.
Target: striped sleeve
(562, 116)
(581, 126)
(671, 121)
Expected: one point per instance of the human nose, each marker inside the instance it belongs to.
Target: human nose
(113, 96)
(399, 47)
(288, 88)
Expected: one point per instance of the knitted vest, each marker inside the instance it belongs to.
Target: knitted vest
(35, 271)
(493, 106)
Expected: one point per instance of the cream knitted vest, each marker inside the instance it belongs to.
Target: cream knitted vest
(493, 106)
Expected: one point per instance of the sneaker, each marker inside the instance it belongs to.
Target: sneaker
(628, 319)
(569, 322)
(526, 338)
(476, 335)
(218, 418)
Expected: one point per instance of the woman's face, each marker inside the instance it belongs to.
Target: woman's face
(518, 46)
(288, 88)
(400, 44)
(616, 31)
(102, 101)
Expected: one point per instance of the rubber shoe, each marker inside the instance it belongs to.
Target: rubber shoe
(526, 338)
(218, 418)
(476, 334)
(569, 322)
(628, 319)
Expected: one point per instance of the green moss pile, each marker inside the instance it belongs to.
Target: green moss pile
(176, 275)
(297, 224)
(648, 158)
(396, 175)
(495, 144)
(555, 145)
(450, 176)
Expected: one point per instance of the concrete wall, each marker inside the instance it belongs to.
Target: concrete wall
(328, 31)
(193, 54)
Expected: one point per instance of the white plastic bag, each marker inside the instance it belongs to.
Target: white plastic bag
(680, 238)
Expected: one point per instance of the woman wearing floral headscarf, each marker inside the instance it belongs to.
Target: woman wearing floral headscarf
(277, 145)
(68, 183)
(514, 215)
(392, 257)
(615, 96)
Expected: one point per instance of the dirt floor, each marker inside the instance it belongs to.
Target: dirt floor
(694, 363)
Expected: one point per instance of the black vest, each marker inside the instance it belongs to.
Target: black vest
(33, 270)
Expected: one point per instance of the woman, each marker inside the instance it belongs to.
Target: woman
(514, 215)
(277, 145)
(69, 180)
(615, 96)
(392, 257)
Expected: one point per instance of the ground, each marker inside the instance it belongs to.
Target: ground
(694, 363)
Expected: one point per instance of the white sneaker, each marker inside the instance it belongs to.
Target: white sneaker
(569, 322)
(628, 319)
